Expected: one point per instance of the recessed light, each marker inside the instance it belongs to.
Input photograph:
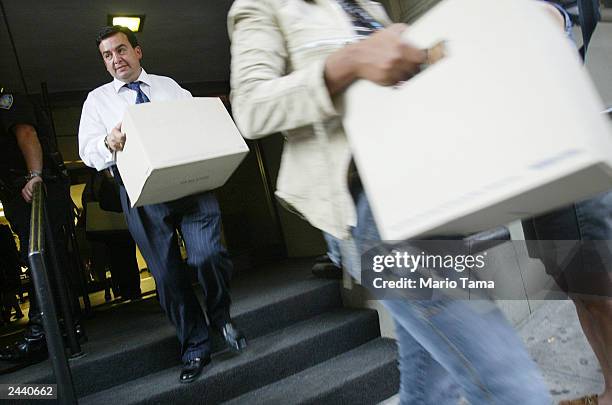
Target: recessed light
(133, 22)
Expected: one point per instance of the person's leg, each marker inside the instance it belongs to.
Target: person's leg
(152, 227)
(412, 361)
(333, 249)
(5, 308)
(100, 254)
(331, 265)
(475, 344)
(132, 270)
(595, 317)
(124, 266)
(423, 380)
(17, 212)
(201, 230)
(472, 341)
(10, 300)
(590, 281)
(32, 347)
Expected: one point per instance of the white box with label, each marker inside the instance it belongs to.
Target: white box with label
(506, 126)
(177, 148)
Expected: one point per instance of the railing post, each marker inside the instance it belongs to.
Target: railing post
(78, 262)
(40, 279)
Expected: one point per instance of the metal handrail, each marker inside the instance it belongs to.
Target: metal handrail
(58, 160)
(40, 279)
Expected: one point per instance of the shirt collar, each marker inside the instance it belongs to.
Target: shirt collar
(144, 78)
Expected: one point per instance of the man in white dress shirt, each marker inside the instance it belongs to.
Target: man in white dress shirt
(154, 226)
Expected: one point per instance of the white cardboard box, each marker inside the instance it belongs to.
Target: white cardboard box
(599, 61)
(178, 148)
(506, 126)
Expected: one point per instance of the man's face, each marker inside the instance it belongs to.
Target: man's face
(121, 60)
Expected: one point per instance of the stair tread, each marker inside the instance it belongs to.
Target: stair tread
(272, 285)
(314, 383)
(120, 333)
(274, 353)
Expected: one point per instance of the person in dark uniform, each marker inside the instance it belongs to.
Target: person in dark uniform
(25, 160)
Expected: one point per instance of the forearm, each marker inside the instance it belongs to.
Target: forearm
(93, 152)
(340, 70)
(92, 133)
(30, 147)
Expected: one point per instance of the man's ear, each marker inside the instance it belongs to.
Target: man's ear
(138, 50)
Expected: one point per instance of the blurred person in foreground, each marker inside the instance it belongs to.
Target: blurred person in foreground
(289, 61)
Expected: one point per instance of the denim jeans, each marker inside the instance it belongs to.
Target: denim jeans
(466, 346)
(333, 249)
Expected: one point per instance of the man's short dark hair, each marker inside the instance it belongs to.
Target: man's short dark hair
(108, 31)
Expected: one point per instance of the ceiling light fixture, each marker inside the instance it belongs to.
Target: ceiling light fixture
(133, 22)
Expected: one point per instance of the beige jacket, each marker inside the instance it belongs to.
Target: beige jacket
(278, 54)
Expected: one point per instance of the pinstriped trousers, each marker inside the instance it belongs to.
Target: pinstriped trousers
(198, 219)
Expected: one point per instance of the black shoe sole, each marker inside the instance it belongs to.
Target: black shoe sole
(195, 377)
(191, 379)
(238, 346)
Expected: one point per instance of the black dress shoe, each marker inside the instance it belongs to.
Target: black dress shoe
(233, 337)
(323, 259)
(327, 270)
(192, 369)
(25, 351)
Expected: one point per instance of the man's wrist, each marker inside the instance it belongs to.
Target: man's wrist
(32, 174)
(341, 69)
(107, 145)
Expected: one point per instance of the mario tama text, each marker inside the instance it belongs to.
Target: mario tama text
(404, 270)
(432, 283)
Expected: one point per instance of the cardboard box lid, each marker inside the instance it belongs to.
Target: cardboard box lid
(599, 61)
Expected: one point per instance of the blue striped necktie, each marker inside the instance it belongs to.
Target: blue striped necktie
(363, 23)
(140, 96)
